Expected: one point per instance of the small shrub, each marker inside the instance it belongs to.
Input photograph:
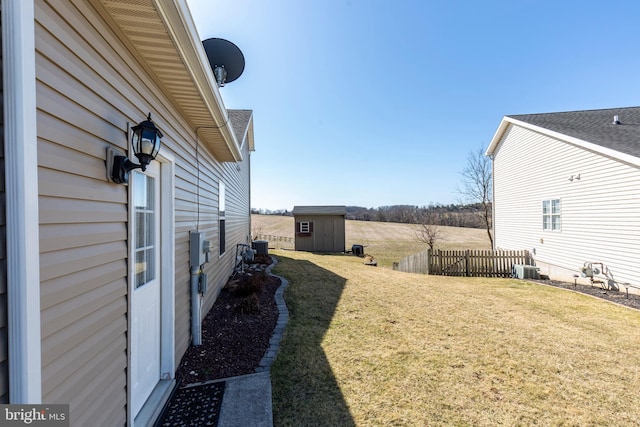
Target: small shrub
(249, 305)
(250, 284)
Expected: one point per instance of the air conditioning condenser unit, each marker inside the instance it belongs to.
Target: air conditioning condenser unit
(520, 271)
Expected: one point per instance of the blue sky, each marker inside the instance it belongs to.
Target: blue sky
(374, 103)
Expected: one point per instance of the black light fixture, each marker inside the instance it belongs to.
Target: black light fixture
(145, 141)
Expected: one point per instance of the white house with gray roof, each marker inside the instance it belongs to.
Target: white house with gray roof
(567, 188)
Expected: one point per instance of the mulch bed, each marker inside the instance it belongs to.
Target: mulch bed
(235, 336)
(618, 296)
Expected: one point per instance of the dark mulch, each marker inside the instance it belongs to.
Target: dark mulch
(618, 296)
(235, 336)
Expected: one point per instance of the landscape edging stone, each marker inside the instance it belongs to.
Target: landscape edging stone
(283, 318)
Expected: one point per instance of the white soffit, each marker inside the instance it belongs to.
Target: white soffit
(163, 35)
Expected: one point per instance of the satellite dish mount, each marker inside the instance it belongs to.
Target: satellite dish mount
(225, 58)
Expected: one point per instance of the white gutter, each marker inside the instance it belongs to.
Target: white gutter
(183, 31)
(21, 174)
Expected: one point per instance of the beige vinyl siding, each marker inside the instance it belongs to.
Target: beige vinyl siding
(88, 87)
(85, 95)
(600, 212)
(82, 221)
(4, 342)
(237, 222)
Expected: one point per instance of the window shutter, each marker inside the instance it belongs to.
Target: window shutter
(310, 226)
(297, 227)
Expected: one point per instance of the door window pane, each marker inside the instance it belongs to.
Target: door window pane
(144, 228)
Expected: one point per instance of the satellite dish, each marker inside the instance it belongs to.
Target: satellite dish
(226, 60)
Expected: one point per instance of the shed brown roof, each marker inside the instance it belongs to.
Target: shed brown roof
(319, 210)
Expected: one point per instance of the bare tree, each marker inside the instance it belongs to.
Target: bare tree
(429, 231)
(477, 185)
(257, 230)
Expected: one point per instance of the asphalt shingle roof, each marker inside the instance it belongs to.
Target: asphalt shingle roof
(239, 121)
(595, 126)
(319, 210)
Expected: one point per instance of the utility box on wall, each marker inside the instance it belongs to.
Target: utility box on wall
(199, 248)
(320, 228)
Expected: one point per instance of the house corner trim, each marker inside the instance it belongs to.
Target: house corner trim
(21, 160)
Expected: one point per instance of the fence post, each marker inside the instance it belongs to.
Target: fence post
(467, 261)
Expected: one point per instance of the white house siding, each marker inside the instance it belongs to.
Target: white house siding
(600, 211)
(88, 87)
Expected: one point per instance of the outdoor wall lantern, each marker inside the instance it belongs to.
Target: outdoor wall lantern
(145, 141)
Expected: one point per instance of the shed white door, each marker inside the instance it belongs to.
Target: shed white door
(145, 284)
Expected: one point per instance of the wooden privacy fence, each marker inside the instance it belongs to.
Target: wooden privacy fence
(470, 263)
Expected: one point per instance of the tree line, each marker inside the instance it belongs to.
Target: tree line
(452, 215)
(476, 188)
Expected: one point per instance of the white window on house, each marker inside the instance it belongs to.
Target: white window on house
(221, 216)
(304, 227)
(551, 215)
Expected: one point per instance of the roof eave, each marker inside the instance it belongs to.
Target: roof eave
(507, 121)
(250, 136)
(493, 145)
(242, 124)
(320, 210)
(179, 23)
(203, 107)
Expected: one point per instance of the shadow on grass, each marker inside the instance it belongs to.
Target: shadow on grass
(305, 391)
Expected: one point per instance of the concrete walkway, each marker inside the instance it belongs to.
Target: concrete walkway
(247, 399)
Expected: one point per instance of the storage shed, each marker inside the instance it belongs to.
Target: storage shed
(320, 228)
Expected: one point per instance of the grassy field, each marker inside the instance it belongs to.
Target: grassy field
(369, 346)
(387, 242)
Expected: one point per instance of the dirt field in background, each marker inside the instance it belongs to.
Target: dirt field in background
(388, 242)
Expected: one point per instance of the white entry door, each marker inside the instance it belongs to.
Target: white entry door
(145, 284)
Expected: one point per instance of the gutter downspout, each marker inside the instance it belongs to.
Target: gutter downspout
(196, 307)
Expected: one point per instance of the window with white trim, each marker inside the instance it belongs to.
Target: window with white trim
(304, 227)
(551, 218)
(221, 216)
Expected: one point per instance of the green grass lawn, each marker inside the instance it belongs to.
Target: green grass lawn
(369, 346)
